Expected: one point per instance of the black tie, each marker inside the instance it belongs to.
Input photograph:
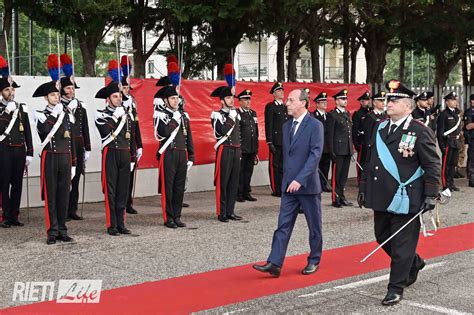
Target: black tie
(392, 129)
(292, 131)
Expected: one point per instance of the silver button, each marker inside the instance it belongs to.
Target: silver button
(376, 167)
(375, 178)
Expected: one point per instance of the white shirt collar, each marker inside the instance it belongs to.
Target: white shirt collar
(451, 109)
(341, 109)
(300, 119)
(398, 122)
(322, 113)
(378, 112)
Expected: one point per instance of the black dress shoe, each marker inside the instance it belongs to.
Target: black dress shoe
(275, 194)
(131, 210)
(222, 218)
(51, 240)
(179, 223)
(185, 205)
(272, 269)
(234, 217)
(113, 231)
(471, 184)
(239, 199)
(392, 299)
(64, 238)
(170, 224)
(414, 274)
(5, 225)
(123, 230)
(310, 269)
(454, 188)
(250, 198)
(346, 203)
(337, 204)
(76, 217)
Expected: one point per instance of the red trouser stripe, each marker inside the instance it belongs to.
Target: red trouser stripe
(163, 186)
(217, 180)
(104, 186)
(443, 172)
(44, 191)
(272, 172)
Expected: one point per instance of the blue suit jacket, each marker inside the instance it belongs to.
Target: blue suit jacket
(301, 156)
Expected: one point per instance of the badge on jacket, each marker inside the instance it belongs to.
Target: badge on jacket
(407, 144)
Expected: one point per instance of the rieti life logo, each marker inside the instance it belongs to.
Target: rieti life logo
(69, 291)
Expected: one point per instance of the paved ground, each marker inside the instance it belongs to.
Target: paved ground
(160, 253)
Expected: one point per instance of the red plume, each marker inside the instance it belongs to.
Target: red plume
(229, 69)
(3, 63)
(173, 67)
(53, 61)
(65, 59)
(171, 58)
(113, 65)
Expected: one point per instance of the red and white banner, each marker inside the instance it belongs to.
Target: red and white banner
(199, 105)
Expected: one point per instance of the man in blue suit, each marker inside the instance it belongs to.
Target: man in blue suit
(303, 140)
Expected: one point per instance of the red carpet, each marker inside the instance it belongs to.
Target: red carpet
(216, 288)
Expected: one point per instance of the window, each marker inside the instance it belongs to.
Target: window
(151, 66)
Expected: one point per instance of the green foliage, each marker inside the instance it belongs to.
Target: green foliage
(423, 69)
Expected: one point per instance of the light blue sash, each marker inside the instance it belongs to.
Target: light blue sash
(401, 202)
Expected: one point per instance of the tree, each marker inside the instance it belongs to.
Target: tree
(378, 25)
(144, 17)
(7, 22)
(88, 21)
(227, 22)
(446, 28)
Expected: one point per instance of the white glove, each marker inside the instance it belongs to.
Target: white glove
(72, 105)
(73, 172)
(58, 109)
(132, 166)
(28, 160)
(119, 112)
(232, 114)
(177, 116)
(139, 153)
(10, 107)
(190, 163)
(87, 154)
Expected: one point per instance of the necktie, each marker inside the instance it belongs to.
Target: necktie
(392, 129)
(292, 131)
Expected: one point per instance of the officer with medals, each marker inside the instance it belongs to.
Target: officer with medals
(130, 106)
(374, 117)
(82, 141)
(468, 120)
(358, 136)
(58, 157)
(340, 146)
(325, 162)
(16, 148)
(275, 115)
(400, 179)
(248, 145)
(422, 112)
(115, 128)
(448, 132)
(175, 155)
